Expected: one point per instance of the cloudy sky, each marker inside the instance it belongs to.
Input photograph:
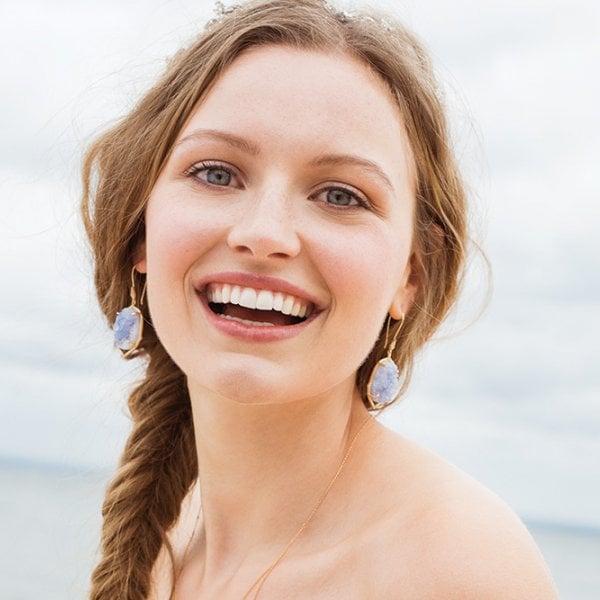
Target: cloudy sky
(514, 399)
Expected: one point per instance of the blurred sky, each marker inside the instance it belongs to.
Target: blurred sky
(513, 400)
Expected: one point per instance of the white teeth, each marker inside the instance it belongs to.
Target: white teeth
(278, 301)
(264, 300)
(225, 293)
(288, 304)
(295, 312)
(248, 298)
(236, 292)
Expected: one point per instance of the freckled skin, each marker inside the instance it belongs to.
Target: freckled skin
(274, 218)
(399, 522)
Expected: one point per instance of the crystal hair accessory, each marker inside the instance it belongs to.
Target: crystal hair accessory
(384, 384)
(129, 322)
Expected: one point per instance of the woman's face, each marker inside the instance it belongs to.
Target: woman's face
(289, 190)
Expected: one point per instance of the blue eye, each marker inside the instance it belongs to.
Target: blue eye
(341, 197)
(212, 174)
(218, 176)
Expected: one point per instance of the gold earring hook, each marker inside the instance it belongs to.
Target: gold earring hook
(392, 345)
(132, 290)
(132, 293)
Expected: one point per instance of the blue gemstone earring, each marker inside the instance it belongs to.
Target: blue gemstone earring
(384, 383)
(129, 323)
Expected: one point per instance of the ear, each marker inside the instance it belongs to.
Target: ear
(407, 291)
(139, 258)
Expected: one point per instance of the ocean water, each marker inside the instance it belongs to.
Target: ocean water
(50, 522)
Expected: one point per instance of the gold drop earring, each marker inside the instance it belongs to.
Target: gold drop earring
(129, 322)
(384, 384)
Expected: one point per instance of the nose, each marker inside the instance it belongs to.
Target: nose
(265, 228)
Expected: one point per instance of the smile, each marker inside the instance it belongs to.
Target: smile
(256, 307)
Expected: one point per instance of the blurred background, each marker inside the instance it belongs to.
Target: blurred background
(512, 397)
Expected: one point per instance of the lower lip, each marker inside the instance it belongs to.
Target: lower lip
(254, 333)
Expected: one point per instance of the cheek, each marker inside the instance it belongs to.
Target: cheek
(175, 235)
(175, 238)
(364, 266)
(362, 272)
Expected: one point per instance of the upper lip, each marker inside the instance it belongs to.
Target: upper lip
(258, 282)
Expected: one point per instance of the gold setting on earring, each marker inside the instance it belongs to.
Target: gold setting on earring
(384, 384)
(129, 322)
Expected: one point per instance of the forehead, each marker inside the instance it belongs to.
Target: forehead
(272, 68)
(326, 85)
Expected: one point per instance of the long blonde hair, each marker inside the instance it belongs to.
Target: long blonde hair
(159, 463)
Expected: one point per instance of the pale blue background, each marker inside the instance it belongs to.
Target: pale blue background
(513, 400)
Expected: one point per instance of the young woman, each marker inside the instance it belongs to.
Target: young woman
(283, 215)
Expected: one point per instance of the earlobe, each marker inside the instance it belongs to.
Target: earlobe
(407, 291)
(397, 309)
(139, 258)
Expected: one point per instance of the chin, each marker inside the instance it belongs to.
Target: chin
(246, 383)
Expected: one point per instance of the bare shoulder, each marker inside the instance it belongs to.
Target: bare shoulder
(453, 537)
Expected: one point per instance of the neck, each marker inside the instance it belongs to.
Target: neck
(263, 467)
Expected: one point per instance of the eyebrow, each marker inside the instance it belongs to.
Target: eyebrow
(325, 160)
(328, 160)
(221, 136)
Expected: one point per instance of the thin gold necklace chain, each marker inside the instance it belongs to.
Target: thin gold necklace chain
(187, 546)
(260, 581)
(265, 574)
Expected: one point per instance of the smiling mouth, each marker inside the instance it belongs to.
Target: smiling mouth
(258, 308)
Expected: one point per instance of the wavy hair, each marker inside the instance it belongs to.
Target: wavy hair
(158, 465)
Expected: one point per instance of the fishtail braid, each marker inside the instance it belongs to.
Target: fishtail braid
(157, 468)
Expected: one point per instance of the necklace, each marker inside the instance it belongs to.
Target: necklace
(187, 546)
(258, 584)
(260, 581)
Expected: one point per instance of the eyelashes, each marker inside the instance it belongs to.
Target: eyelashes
(341, 197)
(213, 174)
